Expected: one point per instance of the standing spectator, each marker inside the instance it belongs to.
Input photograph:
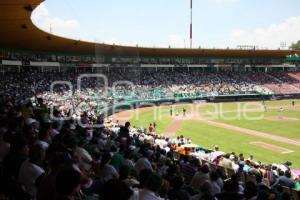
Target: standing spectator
(151, 128)
(124, 136)
(154, 126)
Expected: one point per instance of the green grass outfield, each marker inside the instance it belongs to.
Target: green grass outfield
(248, 115)
(232, 141)
(258, 120)
(163, 119)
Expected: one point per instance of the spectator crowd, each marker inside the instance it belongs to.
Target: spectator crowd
(43, 158)
(92, 94)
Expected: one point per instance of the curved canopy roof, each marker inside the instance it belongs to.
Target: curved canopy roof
(18, 32)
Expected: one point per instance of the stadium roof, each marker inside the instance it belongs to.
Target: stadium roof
(18, 32)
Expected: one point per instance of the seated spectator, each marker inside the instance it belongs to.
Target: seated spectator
(200, 177)
(4, 145)
(68, 184)
(284, 179)
(177, 192)
(44, 139)
(143, 162)
(189, 168)
(116, 190)
(31, 172)
(250, 191)
(18, 153)
(106, 171)
(216, 183)
(153, 185)
(205, 192)
(117, 160)
(125, 176)
(297, 184)
(231, 191)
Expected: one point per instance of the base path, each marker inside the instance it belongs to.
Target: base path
(126, 115)
(272, 147)
(171, 130)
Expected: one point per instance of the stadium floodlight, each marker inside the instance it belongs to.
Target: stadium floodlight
(283, 45)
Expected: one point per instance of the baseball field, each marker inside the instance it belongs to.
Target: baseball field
(270, 131)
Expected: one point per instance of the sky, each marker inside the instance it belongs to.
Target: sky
(163, 23)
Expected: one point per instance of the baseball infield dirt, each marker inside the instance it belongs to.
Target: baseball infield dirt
(173, 128)
(272, 147)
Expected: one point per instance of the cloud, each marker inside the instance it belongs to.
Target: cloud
(40, 12)
(271, 36)
(176, 40)
(42, 18)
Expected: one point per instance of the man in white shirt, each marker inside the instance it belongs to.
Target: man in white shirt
(30, 171)
(44, 139)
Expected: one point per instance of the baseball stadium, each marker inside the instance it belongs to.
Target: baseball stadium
(88, 120)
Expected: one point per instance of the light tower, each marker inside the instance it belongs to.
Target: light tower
(191, 25)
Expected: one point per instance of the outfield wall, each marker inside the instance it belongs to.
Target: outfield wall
(121, 106)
